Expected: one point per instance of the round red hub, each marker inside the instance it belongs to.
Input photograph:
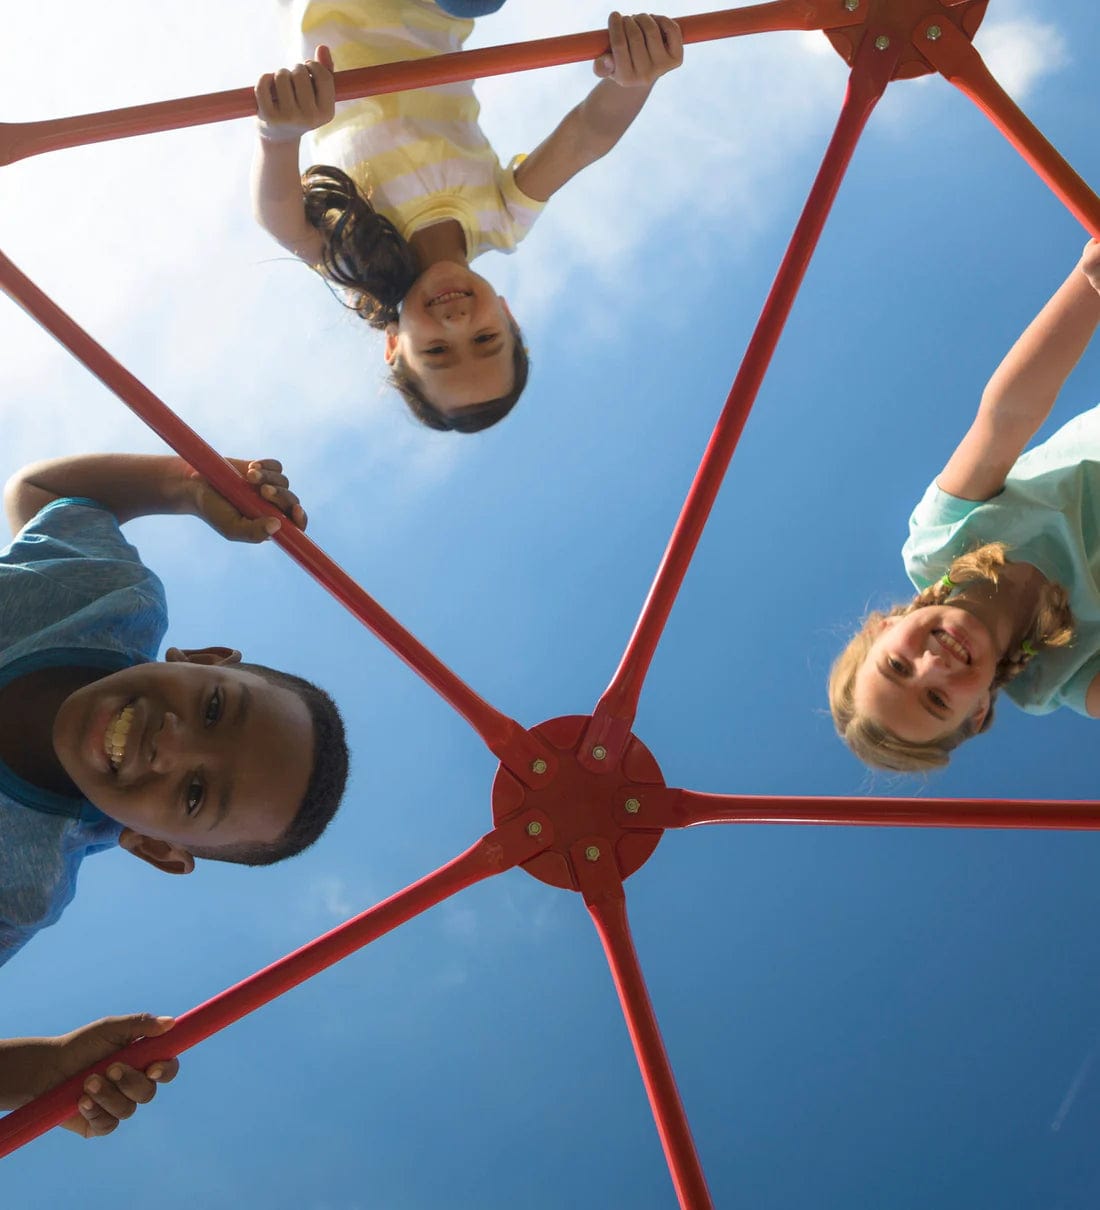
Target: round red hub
(898, 19)
(584, 807)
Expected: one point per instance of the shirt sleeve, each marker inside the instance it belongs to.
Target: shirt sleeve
(1074, 692)
(74, 527)
(929, 550)
(520, 209)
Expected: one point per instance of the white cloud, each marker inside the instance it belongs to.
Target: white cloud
(331, 896)
(1020, 53)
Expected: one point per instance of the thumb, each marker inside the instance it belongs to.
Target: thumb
(604, 66)
(112, 1033)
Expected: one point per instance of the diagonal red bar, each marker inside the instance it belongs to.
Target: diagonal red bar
(606, 901)
(614, 714)
(21, 139)
(499, 850)
(667, 808)
(515, 747)
(956, 59)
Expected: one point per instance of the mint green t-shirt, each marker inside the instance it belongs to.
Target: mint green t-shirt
(1048, 514)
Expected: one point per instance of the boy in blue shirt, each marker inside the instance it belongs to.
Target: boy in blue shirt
(100, 743)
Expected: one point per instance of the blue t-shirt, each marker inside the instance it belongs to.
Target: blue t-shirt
(1048, 514)
(73, 592)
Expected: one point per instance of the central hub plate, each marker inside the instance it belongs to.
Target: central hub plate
(585, 808)
(898, 19)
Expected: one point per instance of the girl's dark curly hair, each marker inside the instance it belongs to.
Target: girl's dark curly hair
(366, 254)
(363, 252)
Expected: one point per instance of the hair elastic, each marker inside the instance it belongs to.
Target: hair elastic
(1027, 648)
(947, 582)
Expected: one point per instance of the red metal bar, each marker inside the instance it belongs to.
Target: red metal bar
(955, 58)
(614, 714)
(498, 850)
(515, 746)
(606, 901)
(21, 139)
(667, 808)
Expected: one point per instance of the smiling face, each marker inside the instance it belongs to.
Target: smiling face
(927, 673)
(200, 757)
(455, 338)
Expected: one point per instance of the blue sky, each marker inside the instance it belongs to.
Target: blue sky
(877, 1017)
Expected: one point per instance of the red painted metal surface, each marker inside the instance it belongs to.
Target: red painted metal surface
(504, 737)
(582, 805)
(662, 807)
(18, 140)
(499, 850)
(615, 711)
(571, 816)
(603, 893)
(961, 64)
(896, 20)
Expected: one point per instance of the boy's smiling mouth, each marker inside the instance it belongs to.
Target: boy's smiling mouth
(116, 734)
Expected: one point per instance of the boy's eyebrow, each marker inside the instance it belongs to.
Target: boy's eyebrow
(244, 701)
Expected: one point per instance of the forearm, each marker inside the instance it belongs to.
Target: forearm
(1025, 385)
(130, 485)
(23, 1062)
(277, 200)
(584, 135)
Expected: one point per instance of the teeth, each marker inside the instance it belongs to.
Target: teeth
(114, 738)
(954, 646)
(449, 296)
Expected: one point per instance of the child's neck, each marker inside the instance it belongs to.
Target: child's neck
(28, 707)
(440, 241)
(1008, 607)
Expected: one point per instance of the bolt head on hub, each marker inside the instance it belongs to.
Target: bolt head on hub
(934, 33)
(592, 853)
(633, 806)
(599, 752)
(534, 828)
(882, 42)
(851, 5)
(538, 765)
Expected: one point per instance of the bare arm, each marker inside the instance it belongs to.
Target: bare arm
(643, 49)
(289, 103)
(142, 485)
(1022, 391)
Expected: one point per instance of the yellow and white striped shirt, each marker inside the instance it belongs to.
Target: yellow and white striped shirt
(419, 156)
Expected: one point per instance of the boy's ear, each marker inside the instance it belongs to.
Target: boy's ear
(202, 655)
(390, 351)
(169, 858)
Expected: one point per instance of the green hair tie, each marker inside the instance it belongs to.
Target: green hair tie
(1027, 648)
(947, 582)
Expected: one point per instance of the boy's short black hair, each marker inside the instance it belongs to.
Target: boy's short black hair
(326, 783)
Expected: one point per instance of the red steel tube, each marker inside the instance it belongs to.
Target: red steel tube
(956, 59)
(615, 711)
(19, 140)
(609, 915)
(499, 850)
(504, 737)
(686, 808)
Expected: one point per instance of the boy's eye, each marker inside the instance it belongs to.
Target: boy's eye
(896, 665)
(435, 350)
(195, 795)
(485, 337)
(936, 700)
(214, 707)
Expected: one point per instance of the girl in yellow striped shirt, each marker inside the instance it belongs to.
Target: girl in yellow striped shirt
(408, 190)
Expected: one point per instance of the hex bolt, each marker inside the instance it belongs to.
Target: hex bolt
(882, 42)
(592, 853)
(534, 828)
(633, 806)
(934, 33)
(599, 752)
(538, 765)
(851, 5)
